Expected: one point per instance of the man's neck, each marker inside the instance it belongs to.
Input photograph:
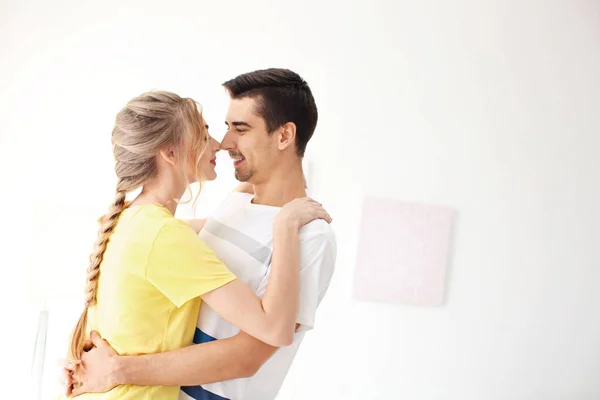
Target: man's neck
(281, 188)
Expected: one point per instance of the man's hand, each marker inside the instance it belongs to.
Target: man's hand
(95, 374)
(67, 376)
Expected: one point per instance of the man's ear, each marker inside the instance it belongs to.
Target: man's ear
(287, 136)
(168, 154)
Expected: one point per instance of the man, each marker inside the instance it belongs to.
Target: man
(272, 115)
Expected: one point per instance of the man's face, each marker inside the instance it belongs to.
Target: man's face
(248, 142)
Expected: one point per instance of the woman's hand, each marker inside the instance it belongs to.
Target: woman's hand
(300, 212)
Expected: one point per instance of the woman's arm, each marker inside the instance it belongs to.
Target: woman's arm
(273, 319)
(244, 187)
(196, 224)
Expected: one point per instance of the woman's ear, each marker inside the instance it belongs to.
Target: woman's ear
(168, 155)
(287, 136)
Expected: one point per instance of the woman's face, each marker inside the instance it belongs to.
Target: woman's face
(208, 161)
(203, 168)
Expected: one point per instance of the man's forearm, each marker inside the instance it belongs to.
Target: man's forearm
(216, 361)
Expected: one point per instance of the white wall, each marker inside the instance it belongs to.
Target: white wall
(490, 107)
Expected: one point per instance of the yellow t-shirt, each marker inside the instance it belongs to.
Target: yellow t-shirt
(154, 269)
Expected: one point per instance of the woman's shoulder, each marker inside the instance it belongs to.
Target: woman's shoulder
(143, 222)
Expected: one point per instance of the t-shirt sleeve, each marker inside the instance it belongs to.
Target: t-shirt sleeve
(317, 262)
(181, 266)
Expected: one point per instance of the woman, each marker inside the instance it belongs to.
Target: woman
(149, 271)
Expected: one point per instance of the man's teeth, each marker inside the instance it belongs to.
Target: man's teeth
(238, 159)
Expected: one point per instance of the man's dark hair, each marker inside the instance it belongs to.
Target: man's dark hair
(281, 96)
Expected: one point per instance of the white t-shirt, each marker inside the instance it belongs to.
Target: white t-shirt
(241, 234)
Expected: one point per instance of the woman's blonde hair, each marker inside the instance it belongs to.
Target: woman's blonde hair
(148, 123)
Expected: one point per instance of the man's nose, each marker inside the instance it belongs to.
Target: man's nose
(227, 143)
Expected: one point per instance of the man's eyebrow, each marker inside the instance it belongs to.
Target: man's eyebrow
(239, 123)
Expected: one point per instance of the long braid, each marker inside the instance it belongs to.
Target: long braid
(107, 225)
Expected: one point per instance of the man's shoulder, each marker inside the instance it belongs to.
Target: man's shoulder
(232, 203)
(236, 199)
(317, 234)
(317, 228)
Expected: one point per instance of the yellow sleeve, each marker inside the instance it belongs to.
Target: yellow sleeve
(182, 266)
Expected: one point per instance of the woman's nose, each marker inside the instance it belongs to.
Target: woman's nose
(216, 146)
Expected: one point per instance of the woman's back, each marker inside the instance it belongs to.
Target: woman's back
(139, 290)
(148, 269)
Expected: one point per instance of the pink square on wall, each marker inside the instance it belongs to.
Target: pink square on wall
(402, 252)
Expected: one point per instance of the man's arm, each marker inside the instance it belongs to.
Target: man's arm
(240, 356)
(237, 357)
